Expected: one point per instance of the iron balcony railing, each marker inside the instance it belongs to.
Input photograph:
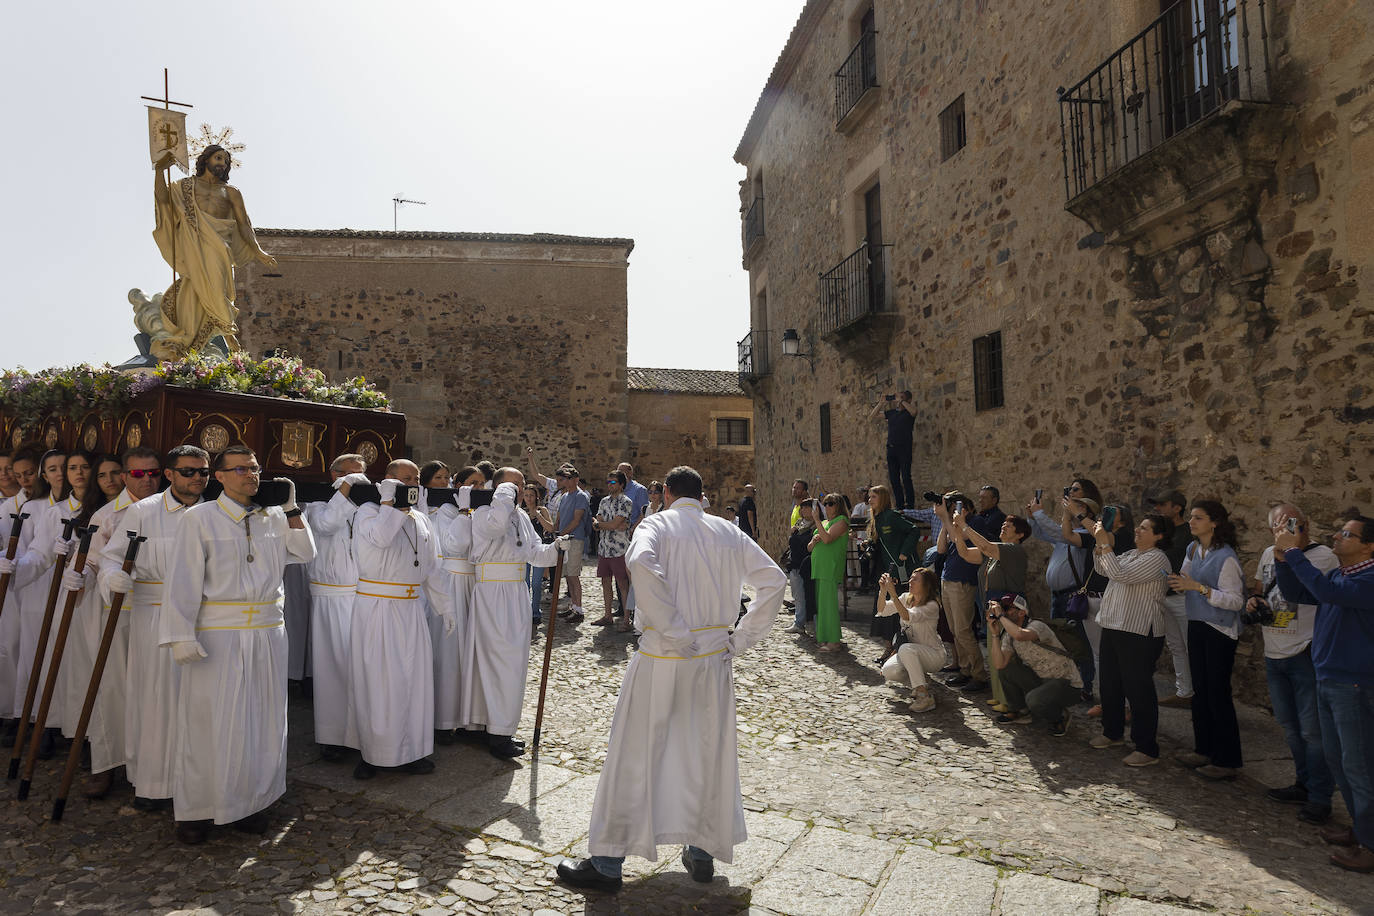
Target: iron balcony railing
(1196, 57)
(753, 223)
(855, 288)
(753, 356)
(857, 75)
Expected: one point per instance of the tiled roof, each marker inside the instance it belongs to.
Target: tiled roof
(537, 238)
(685, 381)
(782, 71)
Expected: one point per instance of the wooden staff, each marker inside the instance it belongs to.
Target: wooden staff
(548, 655)
(10, 551)
(97, 671)
(59, 646)
(68, 527)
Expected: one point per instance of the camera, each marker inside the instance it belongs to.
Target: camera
(931, 496)
(1067, 491)
(1262, 615)
(1292, 526)
(890, 397)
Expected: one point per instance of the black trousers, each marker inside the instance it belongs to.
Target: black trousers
(1211, 656)
(1126, 673)
(899, 476)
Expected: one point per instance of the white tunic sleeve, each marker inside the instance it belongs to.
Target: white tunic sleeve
(184, 588)
(768, 580)
(332, 517)
(654, 604)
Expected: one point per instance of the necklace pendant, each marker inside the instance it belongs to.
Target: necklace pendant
(417, 562)
(250, 558)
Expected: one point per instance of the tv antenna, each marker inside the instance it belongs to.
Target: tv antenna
(396, 206)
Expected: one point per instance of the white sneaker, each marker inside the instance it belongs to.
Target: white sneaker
(795, 629)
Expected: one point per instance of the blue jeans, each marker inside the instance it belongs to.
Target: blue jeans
(610, 865)
(1293, 691)
(534, 578)
(798, 597)
(1347, 717)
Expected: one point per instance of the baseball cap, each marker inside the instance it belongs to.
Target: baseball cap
(1168, 496)
(1011, 600)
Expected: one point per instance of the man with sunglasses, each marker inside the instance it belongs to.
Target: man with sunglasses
(149, 677)
(221, 618)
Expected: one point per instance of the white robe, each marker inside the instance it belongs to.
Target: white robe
(672, 770)
(390, 681)
(333, 581)
(9, 619)
(454, 529)
(231, 705)
(151, 678)
(34, 577)
(503, 542)
(106, 727)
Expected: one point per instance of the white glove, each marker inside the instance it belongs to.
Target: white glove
(561, 542)
(120, 582)
(183, 653)
(465, 497)
(62, 547)
(352, 480)
(450, 624)
(6, 565)
(72, 580)
(508, 491)
(290, 504)
(387, 488)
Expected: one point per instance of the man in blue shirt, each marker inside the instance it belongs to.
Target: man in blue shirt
(639, 504)
(1343, 655)
(575, 521)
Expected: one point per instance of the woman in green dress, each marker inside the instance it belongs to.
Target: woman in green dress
(829, 547)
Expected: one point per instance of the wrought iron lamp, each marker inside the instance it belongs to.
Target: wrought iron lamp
(791, 346)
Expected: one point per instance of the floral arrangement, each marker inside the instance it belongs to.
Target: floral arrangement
(77, 390)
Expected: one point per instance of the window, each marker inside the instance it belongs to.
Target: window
(987, 371)
(952, 133)
(825, 427)
(732, 431)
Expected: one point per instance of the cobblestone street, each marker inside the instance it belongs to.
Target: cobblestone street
(854, 805)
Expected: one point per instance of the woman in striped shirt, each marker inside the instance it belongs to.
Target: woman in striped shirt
(1132, 621)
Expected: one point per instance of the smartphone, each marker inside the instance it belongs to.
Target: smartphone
(1108, 517)
(1039, 495)
(890, 397)
(1292, 526)
(1067, 491)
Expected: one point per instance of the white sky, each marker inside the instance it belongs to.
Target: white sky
(595, 118)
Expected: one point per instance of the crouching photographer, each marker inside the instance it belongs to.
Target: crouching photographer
(1038, 673)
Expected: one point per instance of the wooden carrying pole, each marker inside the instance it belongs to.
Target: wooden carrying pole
(59, 647)
(10, 550)
(548, 656)
(68, 526)
(97, 671)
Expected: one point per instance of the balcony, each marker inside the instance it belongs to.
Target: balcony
(854, 291)
(855, 79)
(1172, 133)
(753, 227)
(753, 357)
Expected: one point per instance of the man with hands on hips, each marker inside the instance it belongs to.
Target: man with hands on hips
(222, 619)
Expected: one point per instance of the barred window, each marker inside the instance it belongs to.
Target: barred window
(730, 431)
(952, 132)
(825, 427)
(987, 371)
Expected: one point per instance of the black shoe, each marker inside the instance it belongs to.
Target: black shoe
(420, 767)
(1295, 794)
(364, 770)
(192, 833)
(11, 732)
(1061, 728)
(702, 870)
(1314, 813)
(470, 735)
(502, 746)
(333, 753)
(959, 680)
(153, 804)
(445, 736)
(1087, 695)
(47, 745)
(974, 687)
(253, 823)
(581, 873)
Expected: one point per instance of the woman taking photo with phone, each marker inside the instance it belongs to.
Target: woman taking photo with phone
(828, 547)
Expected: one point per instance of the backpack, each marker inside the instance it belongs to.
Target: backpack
(1070, 635)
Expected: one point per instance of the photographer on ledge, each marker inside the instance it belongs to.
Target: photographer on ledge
(901, 420)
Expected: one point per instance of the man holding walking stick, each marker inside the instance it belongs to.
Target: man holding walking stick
(672, 769)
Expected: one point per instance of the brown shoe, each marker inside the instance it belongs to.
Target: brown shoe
(1176, 700)
(98, 784)
(1339, 836)
(1359, 859)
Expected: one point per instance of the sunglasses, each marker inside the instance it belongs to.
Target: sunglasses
(139, 473)
(612, 480)
(830, 502)
(243, 470)
(188, 473)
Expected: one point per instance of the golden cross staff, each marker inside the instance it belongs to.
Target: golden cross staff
(167, 134)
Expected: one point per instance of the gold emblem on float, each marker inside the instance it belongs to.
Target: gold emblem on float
(214, 438)
(297, 443)
(369, 453)
(90, 438)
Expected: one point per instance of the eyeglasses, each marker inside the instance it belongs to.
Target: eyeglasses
(140, 473)
(188, 473)
(1345, 535)
(243, 470)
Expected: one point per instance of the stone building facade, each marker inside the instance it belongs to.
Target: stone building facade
(489, 343)
(1160, 278)
(698, 417)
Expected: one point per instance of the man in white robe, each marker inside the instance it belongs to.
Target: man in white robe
(150, 677)
(672, 771)
(221, 618)
(333, 581)
(24, 467)
(105, 731)
(453, 526)
(503, 542)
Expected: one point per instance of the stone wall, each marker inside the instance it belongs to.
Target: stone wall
(488, 343)
(672, 428)
(1227, 356)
